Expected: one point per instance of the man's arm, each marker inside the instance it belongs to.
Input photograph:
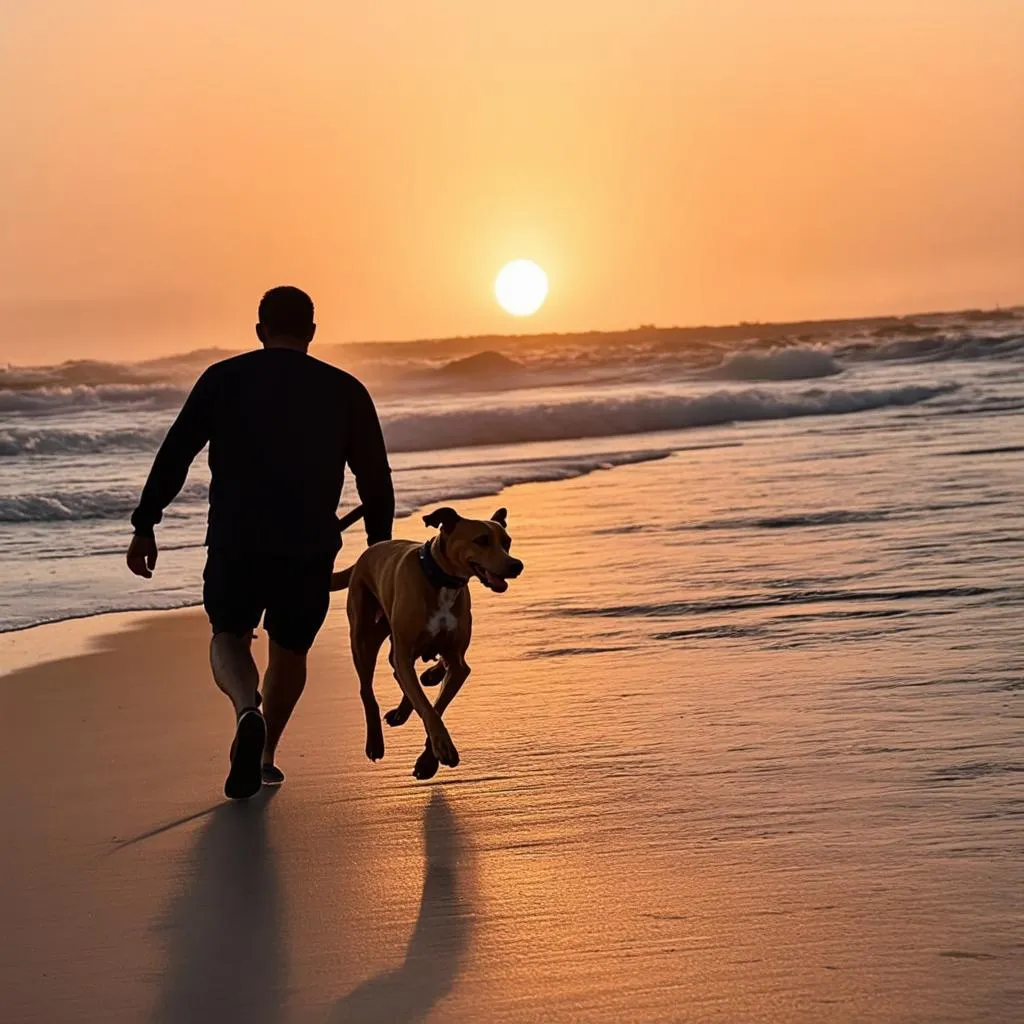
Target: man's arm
(368, 458)
(189, 432)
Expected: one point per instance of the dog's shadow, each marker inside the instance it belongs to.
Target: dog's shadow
(439, 941)
(225, 954)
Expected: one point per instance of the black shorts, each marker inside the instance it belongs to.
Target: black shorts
(294, 592)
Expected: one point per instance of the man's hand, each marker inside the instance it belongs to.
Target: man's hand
(142, 556)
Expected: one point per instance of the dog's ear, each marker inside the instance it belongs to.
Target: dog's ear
(500, 517)
(445, 517)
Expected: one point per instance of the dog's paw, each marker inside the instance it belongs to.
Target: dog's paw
(399, 715)
(434, 675)
(426, 765)
(444, 749)
(375, 743)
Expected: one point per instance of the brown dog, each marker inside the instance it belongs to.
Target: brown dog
(418, 594)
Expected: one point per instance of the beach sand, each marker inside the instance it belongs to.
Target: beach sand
(697, 830)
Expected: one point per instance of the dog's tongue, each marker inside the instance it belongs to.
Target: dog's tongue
(495, 582)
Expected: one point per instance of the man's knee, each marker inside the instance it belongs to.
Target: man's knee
(287, 661)
(231, 642)
(231, 657)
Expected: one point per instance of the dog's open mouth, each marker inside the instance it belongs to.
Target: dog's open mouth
(489, 579)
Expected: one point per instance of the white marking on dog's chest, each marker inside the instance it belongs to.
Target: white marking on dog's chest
(443, 619)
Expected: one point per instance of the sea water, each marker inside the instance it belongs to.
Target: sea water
(77, 440)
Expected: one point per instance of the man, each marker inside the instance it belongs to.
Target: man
(281, 427)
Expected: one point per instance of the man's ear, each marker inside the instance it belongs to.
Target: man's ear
(500, 517)
(445, 517)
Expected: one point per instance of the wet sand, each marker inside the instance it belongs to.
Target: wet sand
(694, 832)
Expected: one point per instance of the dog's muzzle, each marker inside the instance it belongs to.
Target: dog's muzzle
(498, 582)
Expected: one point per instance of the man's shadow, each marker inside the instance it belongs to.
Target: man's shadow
(439, 941)
(225, 955)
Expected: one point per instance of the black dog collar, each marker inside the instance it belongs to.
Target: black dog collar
(435, 574)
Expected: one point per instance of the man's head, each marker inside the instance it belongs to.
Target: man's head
(286, 318)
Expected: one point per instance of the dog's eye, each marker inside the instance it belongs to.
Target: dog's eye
(507, 543)
(484, 541)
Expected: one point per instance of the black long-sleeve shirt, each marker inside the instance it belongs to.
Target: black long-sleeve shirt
(281, 427)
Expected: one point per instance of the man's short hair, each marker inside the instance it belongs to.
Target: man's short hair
(286, 310)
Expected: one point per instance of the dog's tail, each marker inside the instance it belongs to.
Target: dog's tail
(340, 580)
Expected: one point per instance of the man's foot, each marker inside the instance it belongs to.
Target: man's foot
(245, 778)
(272, 775)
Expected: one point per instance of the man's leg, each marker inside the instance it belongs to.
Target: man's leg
(234, 670)
(236, 674)
(232, 594)
(296, 608)
(282, 687)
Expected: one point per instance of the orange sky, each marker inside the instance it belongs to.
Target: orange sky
(667, 161)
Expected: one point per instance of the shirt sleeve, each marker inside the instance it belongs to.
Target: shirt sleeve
(368, 458)
(185, 439)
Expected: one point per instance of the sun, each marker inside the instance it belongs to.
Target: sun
(521, 287)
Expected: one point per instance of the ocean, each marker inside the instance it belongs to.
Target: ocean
(901, 429)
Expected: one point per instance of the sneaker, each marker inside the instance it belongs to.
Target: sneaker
(272, 775)
(245, 778)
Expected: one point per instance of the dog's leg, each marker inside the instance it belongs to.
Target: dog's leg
(437, 734)
(367, 634)
(430, 677)
(398, 715)
(457, 673)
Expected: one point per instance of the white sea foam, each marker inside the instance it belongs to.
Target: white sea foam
(415, 487)
(48, 400)
(630, 413)
(65, 441)
(541, 419)
(660, 354)
(794, 363)
(64, 506)
(935, 348)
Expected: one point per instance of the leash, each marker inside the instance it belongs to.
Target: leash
(349, 518)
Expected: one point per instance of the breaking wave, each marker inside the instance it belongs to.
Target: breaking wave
(796, 363)
(601, 416)
(631, 414)
(935, 348)
(46, 441)
(79, 505)
(82, 397)
(742, 353)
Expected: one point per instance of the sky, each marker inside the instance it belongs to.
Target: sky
(666, 161)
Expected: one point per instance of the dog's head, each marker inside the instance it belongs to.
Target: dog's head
(478, 547)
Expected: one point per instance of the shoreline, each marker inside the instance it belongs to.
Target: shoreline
(31, 646)
(27, 646)
(355, 542)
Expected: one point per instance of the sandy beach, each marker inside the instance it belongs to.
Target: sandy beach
(699, 832)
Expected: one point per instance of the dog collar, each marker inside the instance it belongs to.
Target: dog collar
(435, 574)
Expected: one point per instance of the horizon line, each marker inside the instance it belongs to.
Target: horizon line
(1016, 309)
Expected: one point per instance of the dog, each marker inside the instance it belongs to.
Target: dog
(418, 594)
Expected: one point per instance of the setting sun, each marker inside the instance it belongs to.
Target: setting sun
(521, 287)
